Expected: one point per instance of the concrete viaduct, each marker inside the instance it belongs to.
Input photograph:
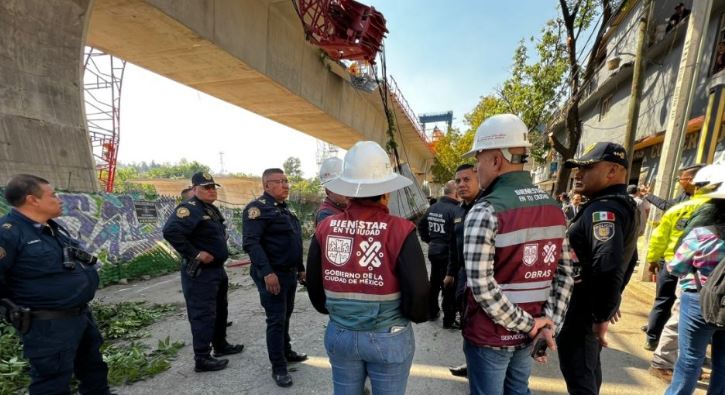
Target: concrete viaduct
(251, 53)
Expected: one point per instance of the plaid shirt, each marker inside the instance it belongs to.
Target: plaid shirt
(479, 249)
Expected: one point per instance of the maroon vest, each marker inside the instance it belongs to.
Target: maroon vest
(528, 247)
(360, 248)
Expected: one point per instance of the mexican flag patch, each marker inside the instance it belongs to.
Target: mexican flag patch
(600, 216)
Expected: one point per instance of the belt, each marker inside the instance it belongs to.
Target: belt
(58, 314)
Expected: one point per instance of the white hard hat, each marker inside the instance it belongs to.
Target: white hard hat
(710, 174)
(367, 172)
(719, 193)
(330, 168)
(500, 131)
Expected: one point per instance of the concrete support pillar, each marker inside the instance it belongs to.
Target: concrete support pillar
(42, 117)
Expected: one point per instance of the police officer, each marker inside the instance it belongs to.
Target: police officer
(334, 203)
(436, 229)
(603, 236)
(197, 231)
(469, 191)
(42, 269)
(273, 240)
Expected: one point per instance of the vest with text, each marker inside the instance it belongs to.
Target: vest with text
(531, 229)
(360, 249)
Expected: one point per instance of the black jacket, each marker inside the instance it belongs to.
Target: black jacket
(436, 226)
(604, 238)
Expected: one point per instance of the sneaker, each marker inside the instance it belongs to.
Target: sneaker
(650, 345)
(228, 349)
(209, 364)
(660, 373)
(459, 371)
(294, 356)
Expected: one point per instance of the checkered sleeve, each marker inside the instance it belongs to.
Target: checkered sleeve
(479, 248)
(561, 286)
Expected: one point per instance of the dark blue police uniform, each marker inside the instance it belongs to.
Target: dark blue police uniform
(193, 227)
(63, 337)
(436, 229)
(273, 240)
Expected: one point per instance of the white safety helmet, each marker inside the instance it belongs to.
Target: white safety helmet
(501, 131)
(710, 174)
(718, 193)
(367, 172)
(330, 168)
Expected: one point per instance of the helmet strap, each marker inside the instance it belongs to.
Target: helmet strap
(514, 159)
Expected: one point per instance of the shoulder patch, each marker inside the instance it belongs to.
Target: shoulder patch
(253, 213)
(603, 231)
(7, 225)
(182, 212)
(601, 216)
(2, 253)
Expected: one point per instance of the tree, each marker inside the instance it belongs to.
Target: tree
(293, 168)
(577, 17)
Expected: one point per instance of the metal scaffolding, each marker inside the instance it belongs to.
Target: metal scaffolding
(102, 82)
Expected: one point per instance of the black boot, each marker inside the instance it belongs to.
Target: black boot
(460, 371)
(228, 349)
(294, 356)
(282, 380)
(209, 364)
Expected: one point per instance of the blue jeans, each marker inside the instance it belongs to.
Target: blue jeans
(496, 372)
(694, 334)
(383, 356)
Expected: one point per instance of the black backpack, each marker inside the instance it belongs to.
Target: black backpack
(712, 294)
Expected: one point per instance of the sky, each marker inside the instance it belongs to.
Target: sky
(444, 55)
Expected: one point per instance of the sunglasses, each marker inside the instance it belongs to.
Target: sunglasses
(208, 187)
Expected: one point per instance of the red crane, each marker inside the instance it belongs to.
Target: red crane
(344, 29)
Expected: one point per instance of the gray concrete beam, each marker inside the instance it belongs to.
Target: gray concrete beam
(42, 118)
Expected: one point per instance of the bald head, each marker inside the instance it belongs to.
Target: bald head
(449, 189)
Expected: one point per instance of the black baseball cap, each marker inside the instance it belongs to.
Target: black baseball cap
(602, 151)
(201, 179)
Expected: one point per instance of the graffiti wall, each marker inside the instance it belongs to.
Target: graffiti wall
(125, 233)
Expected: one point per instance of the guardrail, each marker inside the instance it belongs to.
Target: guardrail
(397, 94)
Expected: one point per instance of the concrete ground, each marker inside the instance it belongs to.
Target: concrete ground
(625, 362)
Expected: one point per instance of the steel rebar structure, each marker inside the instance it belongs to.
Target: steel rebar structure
(102, 82)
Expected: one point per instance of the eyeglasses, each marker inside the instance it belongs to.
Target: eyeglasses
(283, 181)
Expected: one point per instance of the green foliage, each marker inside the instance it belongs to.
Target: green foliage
(126, 319)
(448, 154)
(293, 168)
(155, 262)
(14, 369)
(130, 363)
(127, 363)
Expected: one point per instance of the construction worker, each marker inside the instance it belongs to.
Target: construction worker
(661, 249)
(603, 236)
(333, 203)
(517, 260)
(367, 271)
(677, 221)
(436, 229)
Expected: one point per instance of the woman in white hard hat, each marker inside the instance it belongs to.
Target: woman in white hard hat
(700, 252)
(367, 271)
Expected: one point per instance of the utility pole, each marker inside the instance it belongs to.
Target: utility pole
(692, 50)
(634, 98)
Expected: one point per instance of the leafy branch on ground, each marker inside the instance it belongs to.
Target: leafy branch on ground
(126, 319)
(119, 323)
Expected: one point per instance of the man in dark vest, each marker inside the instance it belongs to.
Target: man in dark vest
(436, 229)
(604, 238)
(518, 263)
(333, 203)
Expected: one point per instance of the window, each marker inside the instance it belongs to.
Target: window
(604, 106)
(718, 57)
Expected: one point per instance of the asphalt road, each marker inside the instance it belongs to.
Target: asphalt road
(625, 361)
